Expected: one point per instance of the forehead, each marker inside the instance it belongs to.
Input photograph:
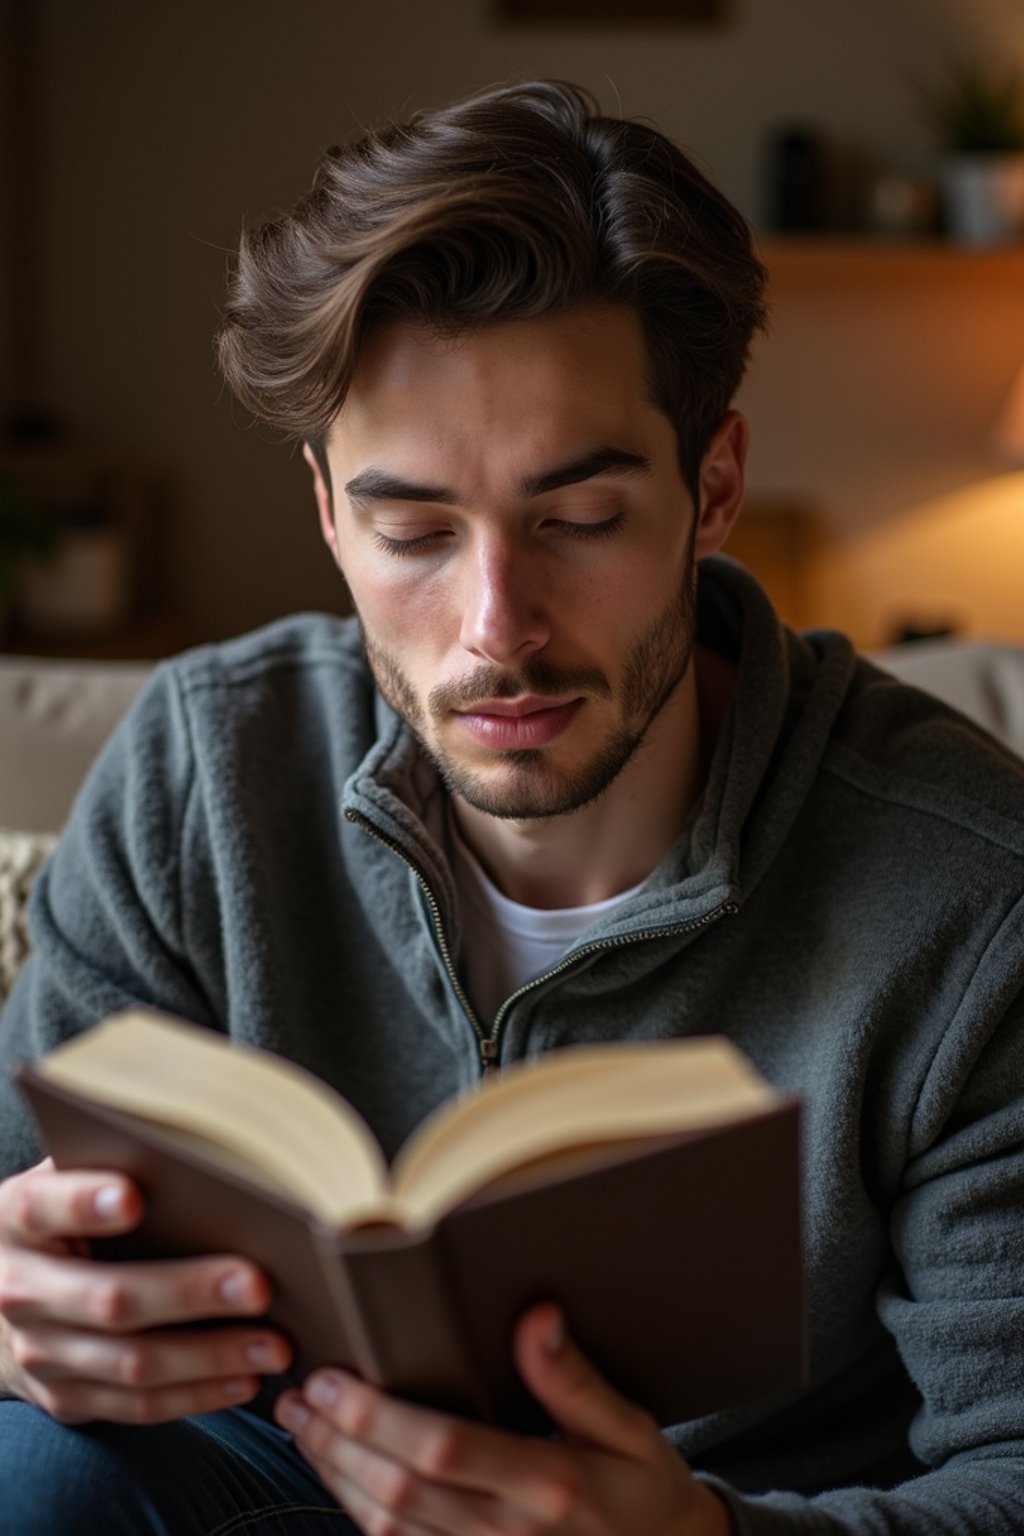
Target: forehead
(529, 386)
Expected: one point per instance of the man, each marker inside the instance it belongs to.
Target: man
(555, 789)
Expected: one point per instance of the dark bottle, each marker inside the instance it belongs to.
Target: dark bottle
(796, 180)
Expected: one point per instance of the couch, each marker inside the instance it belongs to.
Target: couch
(55, 716)
(985, 681)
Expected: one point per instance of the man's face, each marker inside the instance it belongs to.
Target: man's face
(520, 546)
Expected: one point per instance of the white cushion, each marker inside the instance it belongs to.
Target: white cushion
(54, 717)
(983, 679)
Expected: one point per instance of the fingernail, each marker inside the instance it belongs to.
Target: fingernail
(265, 1355)
(322, 1391)
(554, 1339)
(293, 1414)
(236, 1288)
(108, 1202)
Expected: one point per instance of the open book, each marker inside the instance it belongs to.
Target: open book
(650, 1188)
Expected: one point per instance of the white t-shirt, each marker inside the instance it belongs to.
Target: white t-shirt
(504, 944)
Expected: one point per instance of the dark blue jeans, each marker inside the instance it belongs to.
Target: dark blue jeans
(221, 1474)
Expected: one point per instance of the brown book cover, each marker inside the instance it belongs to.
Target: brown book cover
(677, 1260)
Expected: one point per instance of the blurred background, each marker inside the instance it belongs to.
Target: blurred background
(140, 511)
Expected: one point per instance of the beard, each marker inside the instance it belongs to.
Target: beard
(533, 786)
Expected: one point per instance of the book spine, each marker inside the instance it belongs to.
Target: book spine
(353, 1311)
(414, 1345)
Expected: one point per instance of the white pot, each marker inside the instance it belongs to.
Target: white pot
(984, 198)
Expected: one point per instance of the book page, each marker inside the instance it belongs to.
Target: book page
(271, 1117)
(581, 1096)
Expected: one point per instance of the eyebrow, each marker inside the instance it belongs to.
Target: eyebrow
(600, 461)
(376, 484)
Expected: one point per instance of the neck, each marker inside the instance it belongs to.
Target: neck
(616, 841)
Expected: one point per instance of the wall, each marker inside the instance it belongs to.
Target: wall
(167, 122)
(873, 403)
(7, 199)
(954, 560)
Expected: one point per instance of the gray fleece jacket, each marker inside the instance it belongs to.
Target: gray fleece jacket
(260, 848)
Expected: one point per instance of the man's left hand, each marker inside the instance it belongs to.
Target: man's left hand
(400, 1470)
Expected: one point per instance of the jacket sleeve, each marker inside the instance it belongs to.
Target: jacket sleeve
(106, 915)
(955, 1301)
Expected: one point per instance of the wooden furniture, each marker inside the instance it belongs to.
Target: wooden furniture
(844, 260)
(779, 542)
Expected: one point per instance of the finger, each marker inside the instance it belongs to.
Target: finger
(369, 1516)
(576, 1395)
(382, 1493)
(124, 1298)
(440, 1447)
(41, 1205)
(83, 1402)
(148, 1360)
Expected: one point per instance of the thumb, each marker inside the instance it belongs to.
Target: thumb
(577, 1397)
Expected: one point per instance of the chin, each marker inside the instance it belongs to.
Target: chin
(526, 786)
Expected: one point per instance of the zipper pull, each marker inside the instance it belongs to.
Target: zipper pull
(488, 1057)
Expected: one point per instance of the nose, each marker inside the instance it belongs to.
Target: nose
(504, 616)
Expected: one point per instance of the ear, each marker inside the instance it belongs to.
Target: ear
(721, 483)
(323, 503)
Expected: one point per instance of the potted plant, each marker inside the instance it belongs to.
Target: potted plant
(977, 117)
(24, 534)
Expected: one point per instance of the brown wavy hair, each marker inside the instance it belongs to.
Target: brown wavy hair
(518, 202)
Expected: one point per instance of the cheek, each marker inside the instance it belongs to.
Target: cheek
(402, 610)
(629, 596)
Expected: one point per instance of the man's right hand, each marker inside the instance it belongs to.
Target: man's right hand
(88, 1340)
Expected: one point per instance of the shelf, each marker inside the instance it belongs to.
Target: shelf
(850, 259)
(148, 639)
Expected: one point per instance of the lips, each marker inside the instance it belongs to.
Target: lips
(510, 724)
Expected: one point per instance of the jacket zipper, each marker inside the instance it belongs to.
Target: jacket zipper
(489, 1044)
(435, 913)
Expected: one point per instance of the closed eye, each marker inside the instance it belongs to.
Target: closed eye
(602, 530)
(408, 546)
(575, 530)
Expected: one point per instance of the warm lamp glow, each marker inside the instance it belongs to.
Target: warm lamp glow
(1008, 433)
(960, 555)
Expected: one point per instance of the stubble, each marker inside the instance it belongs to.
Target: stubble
(532, 785)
